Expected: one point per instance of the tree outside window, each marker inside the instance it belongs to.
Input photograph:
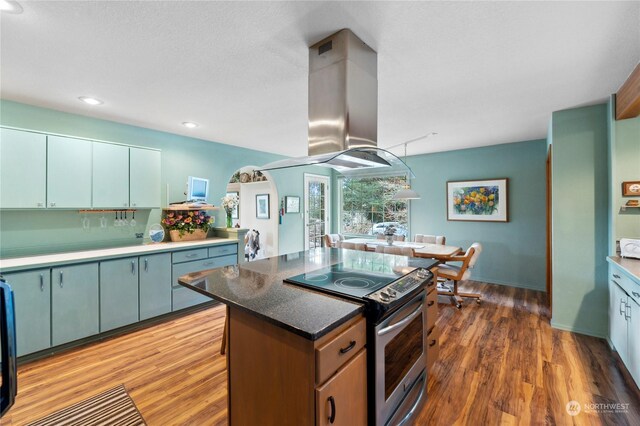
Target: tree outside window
(368, 205)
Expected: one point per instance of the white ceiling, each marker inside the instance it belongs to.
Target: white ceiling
(476, 73)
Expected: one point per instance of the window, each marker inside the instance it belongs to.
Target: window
(368, 205)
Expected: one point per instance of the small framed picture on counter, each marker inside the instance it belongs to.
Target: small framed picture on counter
(631, 188)
(292, 204)
(262, 206)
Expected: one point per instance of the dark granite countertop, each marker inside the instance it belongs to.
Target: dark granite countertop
(257, 287)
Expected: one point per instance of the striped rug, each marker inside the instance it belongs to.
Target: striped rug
(111, 408)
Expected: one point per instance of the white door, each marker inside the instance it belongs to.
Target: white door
(317, 199)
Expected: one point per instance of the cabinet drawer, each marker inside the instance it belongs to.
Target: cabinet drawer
(432, 308)
(223, 250)
(338, 351)
(343, 399)
(183, 297)
(433, 346)
(628, 285)
(201, 265)
(188, 255)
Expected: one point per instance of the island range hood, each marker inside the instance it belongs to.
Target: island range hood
(343, 111)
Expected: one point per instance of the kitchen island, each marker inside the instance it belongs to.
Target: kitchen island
(297, 356)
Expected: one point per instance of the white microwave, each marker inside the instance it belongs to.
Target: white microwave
(630, 247)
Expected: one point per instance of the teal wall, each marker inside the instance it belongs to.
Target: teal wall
(580, 219)
(513, 252)
(29, 232)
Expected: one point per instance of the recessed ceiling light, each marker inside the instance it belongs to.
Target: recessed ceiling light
(90, 101)
(190, 124)
(10, 6)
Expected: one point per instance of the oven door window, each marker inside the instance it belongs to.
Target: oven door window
(401, 353)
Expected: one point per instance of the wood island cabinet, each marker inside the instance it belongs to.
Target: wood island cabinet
(278, 377)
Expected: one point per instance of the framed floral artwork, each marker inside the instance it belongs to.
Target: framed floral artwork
(478, 200)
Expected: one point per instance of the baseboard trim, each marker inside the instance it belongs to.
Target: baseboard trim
(508, 284)
(578, 330)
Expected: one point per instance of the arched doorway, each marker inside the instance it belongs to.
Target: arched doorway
(258, 207)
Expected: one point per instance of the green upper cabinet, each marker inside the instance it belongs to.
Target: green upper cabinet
(68, 172)
(144, 172)
(23, 168)
(110, 175)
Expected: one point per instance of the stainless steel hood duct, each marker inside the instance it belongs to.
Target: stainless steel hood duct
(343, 111)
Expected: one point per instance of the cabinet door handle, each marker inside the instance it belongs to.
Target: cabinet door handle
(133, 267)
(209, 263)
(40, 204)
(146, 265)
(625, 312)
(191, 255)
(430, 303)
(432, 343)
(125, 204)
(623, 302)
(616, 276)
(41, 282)
(52, 204)
(636, 294)
(61, 279)
(332, 415)
(348, 348)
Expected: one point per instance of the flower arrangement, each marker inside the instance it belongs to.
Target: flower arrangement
(482, 200)
(230, 202)
(187, 221)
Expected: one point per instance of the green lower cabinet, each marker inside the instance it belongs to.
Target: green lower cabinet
(118, 293)
(155, 285)
(184, 297)
(32, 295)
(74, 302)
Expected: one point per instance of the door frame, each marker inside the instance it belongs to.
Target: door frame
(549, 263)
(310, 177)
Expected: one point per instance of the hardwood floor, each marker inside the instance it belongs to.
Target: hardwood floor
(500, 363)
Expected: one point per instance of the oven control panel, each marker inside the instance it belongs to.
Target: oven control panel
(405, 285)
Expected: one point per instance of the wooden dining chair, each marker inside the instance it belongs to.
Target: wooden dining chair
(330, 240)
(402, 251)
(353, 246)
(429, 239)
(447, 272)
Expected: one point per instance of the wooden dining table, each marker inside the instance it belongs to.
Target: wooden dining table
(427, 250)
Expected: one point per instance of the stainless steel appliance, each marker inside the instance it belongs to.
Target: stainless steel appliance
(396, 330)
(8, 377)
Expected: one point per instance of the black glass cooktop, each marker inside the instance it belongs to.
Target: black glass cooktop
(343, 280)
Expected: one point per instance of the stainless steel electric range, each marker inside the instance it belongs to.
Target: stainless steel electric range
(395, 308)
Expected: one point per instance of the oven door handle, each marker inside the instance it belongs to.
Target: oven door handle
(401, 323)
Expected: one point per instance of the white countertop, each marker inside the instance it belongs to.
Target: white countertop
(47, 260)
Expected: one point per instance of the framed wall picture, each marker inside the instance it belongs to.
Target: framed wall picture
(478, 200)
(262, 206)
(291, 204)
(631, 188)
(235, 214)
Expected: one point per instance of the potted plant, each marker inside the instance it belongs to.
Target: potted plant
(389, 232)
(187, 225)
